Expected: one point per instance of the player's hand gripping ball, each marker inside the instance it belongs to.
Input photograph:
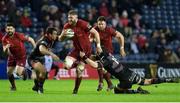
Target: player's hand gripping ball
(69, 33)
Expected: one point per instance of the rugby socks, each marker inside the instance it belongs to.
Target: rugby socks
(36, 82)
(107, 77)
(77, 84)
(41, 82)
(12, 81)
(100, 73)
(35, 87)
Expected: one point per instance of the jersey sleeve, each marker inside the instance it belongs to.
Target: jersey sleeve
(43, 42)
(66, 26)
(23, 37)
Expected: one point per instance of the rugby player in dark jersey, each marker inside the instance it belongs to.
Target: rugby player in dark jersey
(125, 76)
(36, 58)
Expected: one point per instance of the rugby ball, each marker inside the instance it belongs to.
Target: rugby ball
(69, 33)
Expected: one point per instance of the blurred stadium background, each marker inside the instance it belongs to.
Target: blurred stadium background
(150, 27)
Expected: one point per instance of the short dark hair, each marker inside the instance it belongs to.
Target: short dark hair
(101, 18)
(72, 12)
(50, 30)
(10, 24)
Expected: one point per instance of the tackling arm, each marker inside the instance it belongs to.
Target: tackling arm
(45, 51)
(88, 61)
(31, 40)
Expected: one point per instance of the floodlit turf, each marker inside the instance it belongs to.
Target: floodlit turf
(58, 91)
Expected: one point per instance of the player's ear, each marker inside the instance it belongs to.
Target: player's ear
(6, 29)
(76, 16)
(14, 29)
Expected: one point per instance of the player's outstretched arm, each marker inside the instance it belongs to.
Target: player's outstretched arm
(31, 40)
(89, 61)
(45, 51)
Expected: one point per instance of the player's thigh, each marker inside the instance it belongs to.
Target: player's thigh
(69, 62)
(38, 66)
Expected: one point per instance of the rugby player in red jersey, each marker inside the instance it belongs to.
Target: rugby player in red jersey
(81, 42)
(13, 45)
(106, 34)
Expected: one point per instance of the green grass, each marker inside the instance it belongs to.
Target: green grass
(61, 91)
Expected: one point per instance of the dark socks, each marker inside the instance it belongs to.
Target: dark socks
(77, 84)
(12, 81)
(107, 77)
(41, 82)
(36, 82)
(100, 73)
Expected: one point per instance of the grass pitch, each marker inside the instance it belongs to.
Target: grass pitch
(61, 91)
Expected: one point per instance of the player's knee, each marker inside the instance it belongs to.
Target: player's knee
(68, 63)
(9, 72)
(20, 70)
(33, 75)
(79, 70)
(42, 74)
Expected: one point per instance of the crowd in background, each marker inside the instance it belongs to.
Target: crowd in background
(33, 16)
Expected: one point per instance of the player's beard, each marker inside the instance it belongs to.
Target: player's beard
(71, 22)
(10, 33)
